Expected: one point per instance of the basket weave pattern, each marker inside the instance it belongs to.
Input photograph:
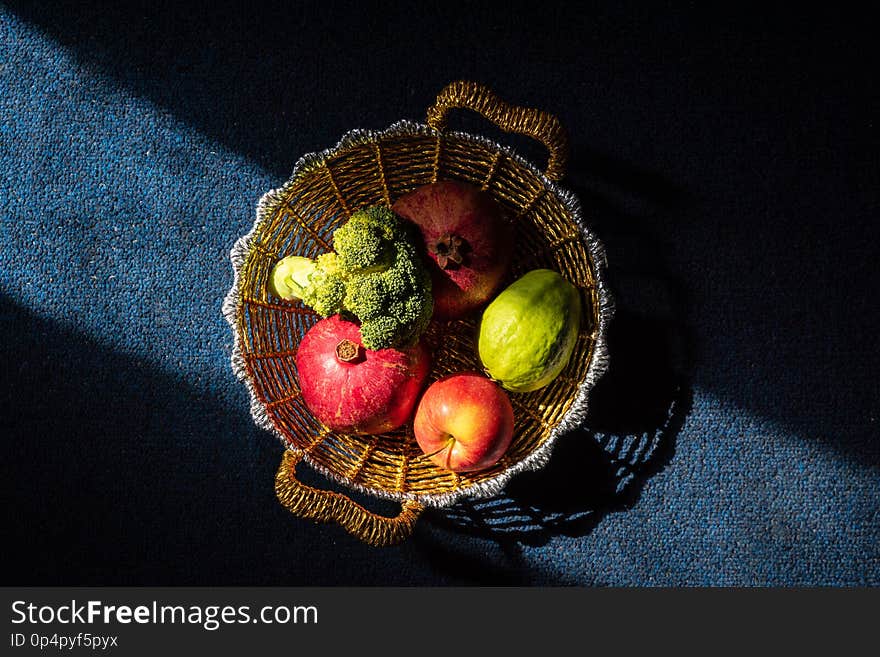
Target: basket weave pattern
(372, 168)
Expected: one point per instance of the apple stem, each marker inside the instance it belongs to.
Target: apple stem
(449, 441)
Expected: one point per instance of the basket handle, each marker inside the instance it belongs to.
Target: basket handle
(533, 123)
(328, 506)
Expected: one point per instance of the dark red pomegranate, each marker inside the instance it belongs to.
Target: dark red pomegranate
(467, 239)
(351, 389)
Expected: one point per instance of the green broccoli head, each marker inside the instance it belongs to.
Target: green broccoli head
(377, 274)
(325, 291)
(393, 310)
(392, 298)
(366, 240)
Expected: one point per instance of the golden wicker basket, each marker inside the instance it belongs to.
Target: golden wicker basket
(368, 168)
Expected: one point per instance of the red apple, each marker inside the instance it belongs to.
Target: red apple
(464, 422)
(467, 239)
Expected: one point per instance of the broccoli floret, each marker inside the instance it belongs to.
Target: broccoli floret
(365, 241)
(324, 291)
(376, 273)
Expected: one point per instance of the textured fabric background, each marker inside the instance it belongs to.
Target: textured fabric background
(728, 162)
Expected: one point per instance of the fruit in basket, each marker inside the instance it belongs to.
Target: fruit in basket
(464, 422)
(375, 273)
(467, 239)
(528, 332)
(351, 389)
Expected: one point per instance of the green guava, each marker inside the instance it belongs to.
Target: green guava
(528, 332)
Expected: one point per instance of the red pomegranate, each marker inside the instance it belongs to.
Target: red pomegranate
(467, 239)
(351, 389)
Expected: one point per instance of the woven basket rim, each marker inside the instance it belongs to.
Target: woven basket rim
(597, 366)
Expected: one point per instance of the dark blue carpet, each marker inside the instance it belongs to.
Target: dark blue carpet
(729, 163)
